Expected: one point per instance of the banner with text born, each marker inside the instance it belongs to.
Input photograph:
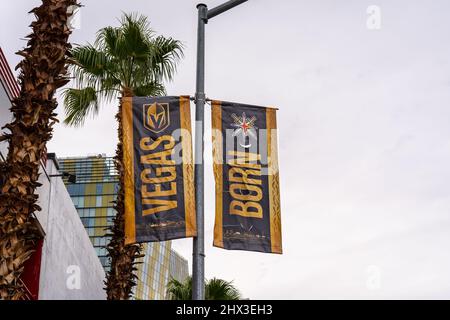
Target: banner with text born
(158, 169)
(246, 175)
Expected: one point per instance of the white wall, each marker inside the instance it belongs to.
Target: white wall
(66, 244)
(5, 116)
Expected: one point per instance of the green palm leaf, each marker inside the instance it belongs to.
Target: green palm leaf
(79, 103)
(166, 52)
(218, 289)
(150, 89)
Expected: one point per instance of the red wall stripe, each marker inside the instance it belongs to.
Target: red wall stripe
(32, 272)
(7, 78)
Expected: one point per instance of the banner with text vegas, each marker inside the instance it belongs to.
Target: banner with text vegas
(246, 176)
(158, 169)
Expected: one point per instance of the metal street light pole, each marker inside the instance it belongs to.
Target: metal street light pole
(198, 261)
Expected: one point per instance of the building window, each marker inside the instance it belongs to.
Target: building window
(98, 201)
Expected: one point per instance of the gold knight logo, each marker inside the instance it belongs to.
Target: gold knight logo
(156, 116)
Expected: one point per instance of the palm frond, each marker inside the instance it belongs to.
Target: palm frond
(90, 59)
(136, 35)
(108, 40)
(137, 21)
(219, 289)
(93, 68)
(150, 89)
(78, 104)
(177, 290)
(165, 55)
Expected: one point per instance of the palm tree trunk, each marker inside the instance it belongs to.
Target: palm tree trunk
(43, 70)
(121, 278)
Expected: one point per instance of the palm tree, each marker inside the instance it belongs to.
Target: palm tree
(215, 289)
(124, 61)
(42, 71)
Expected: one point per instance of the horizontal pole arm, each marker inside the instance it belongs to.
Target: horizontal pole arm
(224, 7)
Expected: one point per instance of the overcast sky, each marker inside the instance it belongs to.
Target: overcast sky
(364, 135)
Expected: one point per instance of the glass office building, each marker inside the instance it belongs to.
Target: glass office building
(93, 194)
(178, 268)
(159, 265)
(153, 272)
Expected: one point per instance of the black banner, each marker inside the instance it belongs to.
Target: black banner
(159, 178)
(246, 176)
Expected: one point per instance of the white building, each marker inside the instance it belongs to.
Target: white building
(65, 264)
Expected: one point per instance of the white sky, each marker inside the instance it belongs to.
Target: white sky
(364, 135)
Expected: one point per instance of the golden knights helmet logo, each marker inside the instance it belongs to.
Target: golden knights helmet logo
(156, 116)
